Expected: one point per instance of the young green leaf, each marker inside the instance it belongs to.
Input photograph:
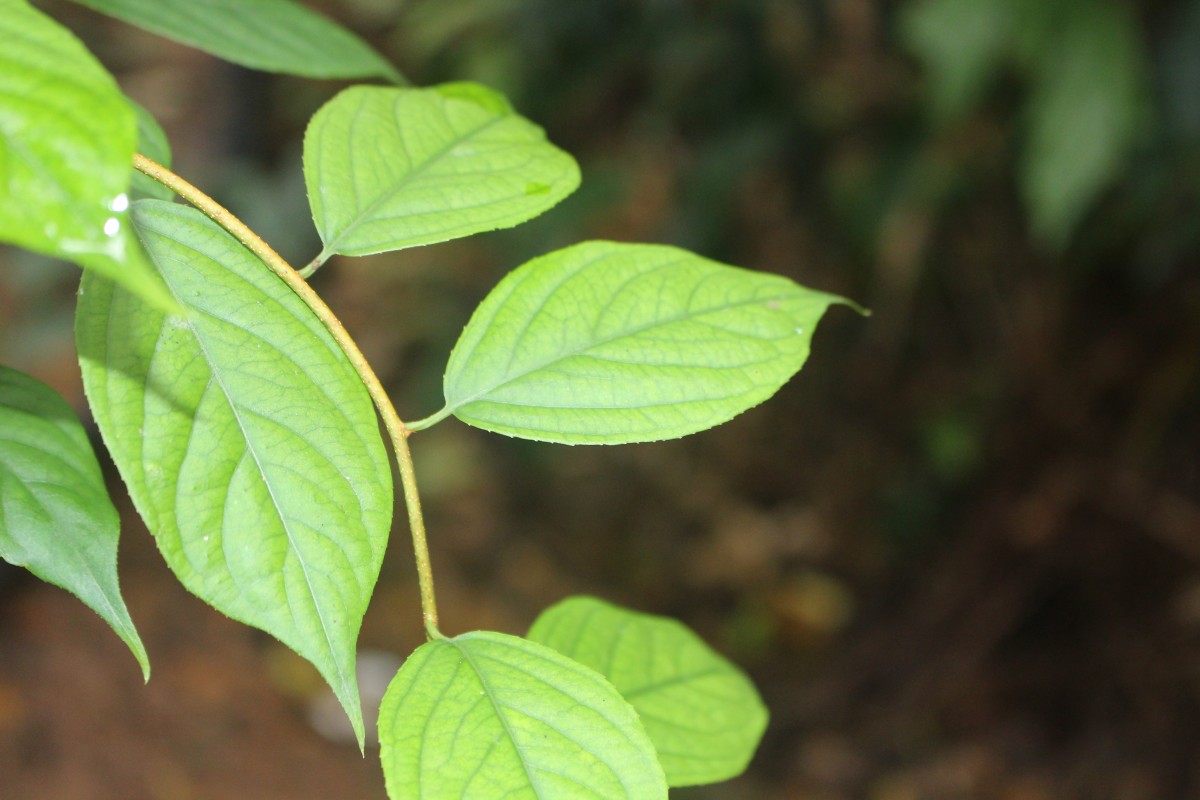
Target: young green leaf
(393, 168)
(606, 343)
(485, 715)
(56, 518)
(270, 35)
(702, 713)
(66, 143)
(247, 441)
(152, 143)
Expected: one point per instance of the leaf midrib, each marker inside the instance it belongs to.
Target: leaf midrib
(499, 709)
(217, 377)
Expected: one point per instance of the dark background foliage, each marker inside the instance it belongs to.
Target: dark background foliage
(960, 553)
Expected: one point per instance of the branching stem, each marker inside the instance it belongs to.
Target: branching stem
(398, 432)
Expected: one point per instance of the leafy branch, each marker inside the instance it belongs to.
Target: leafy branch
(242, 416)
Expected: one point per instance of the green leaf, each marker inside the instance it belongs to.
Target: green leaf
(66, 143)
(702, 713)
(962, 43)
(391, 168)
(269, 35)
(485, 715)
(152, 143)
(606, 343)
(1084, 116)
(246, 439)
(56, 518)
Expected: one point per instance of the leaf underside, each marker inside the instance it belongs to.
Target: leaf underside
(608, 343)
(390, 168)
(56, 518)
(486, 715)
(702, 713)
(246, 439)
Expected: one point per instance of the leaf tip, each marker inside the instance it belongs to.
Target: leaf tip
(129, 635)
(863, 310)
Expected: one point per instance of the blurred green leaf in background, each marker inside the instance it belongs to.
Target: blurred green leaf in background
(1085, 70)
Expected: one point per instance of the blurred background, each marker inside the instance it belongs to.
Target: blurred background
(959, 553)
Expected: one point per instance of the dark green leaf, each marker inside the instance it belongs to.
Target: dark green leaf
(56, 518)
(1084, 116)
(270, 35)
(962, 43)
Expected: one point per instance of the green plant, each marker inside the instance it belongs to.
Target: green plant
(242, 417)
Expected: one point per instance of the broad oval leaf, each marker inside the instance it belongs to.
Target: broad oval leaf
(390, 168)
(151, 142)
(607, 343)
(269, 35)
(702, 713)
(56, 518)
(66, 142)
(246, 439)
(485, 715)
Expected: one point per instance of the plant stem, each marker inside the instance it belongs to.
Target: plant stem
(397, 431)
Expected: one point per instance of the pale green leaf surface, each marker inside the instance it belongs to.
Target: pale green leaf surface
(269, 35)
(56, 518)
(152, 143)
(66, 142)
(390, 168)
(607, 343)
(246, 439)
(1084, 116)
(702, 713)
(485, 715)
